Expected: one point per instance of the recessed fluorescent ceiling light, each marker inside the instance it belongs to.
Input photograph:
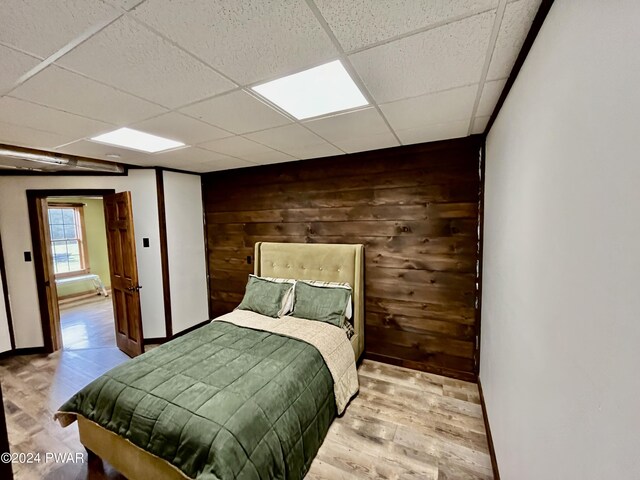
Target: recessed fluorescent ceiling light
(317, 91)
(137, 140)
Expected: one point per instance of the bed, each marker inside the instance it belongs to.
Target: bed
(245, 396)
(94, 278)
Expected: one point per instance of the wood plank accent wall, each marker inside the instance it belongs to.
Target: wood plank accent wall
(415, 208)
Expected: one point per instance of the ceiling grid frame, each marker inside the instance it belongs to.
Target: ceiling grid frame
(487, 61)
(61, 52)
(348, 66)
(342, 54)
(246, 88)
(417, 31)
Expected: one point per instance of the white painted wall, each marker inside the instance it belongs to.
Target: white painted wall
(16, 239)
(561, 289)
(185, 246)
(144, 198)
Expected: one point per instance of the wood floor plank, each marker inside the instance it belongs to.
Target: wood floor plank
(325, 471)
(88, 324)
(414, 461)
(403, 424)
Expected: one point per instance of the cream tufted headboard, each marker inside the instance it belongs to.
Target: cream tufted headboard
(319, 261)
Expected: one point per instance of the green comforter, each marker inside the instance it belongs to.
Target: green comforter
(220, 402)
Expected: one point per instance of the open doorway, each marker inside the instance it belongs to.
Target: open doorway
(68, 256)
(78, 248)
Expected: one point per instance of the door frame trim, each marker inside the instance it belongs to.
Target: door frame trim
(35, 222)
(164, 255)
(7, 301)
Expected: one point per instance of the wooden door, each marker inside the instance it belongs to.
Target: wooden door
(48, 296)
(125, 289)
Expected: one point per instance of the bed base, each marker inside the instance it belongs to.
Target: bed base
(127, 458)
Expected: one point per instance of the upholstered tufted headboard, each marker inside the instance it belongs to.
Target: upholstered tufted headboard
(319, 261)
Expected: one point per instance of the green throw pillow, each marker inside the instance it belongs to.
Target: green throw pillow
(320, 303)
(264, 297)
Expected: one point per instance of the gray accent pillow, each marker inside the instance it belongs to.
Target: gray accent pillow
(264, 297)
(320, 303)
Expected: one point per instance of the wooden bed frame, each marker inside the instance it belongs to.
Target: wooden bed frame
(302, 261)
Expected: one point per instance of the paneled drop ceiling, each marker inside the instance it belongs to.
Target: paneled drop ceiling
(183, 69)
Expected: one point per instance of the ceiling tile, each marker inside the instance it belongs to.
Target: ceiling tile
(490, 94)
(197, 167)
(317, 151)
(206, 167)
(86, 148)
(182, 155)
(441, 107)
(237, 147)
(237, 112)
(125, 4)
(432, 133)
(442, 58)
(273, 156)
(248, 41)
(27, 137)
(355, 131)
(74, 93)
(14, 65)
(30, 115)
(215, 167)
(352, 21)
(190, 157)
(368, 142)
(136, 60)
(287, 137)
(515, 25)
(179, 127)
(42, 28)
(480, 124)
(293, 140)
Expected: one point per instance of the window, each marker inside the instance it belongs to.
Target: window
(66, 229)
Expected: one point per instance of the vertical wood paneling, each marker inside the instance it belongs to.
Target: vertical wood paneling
(414, 208)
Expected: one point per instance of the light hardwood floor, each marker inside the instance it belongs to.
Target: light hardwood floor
(406, 424)
(34, 386)
(88, 323)
(403, 424)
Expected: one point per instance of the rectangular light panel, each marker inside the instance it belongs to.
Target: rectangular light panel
(314, 92)
(137, 140)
